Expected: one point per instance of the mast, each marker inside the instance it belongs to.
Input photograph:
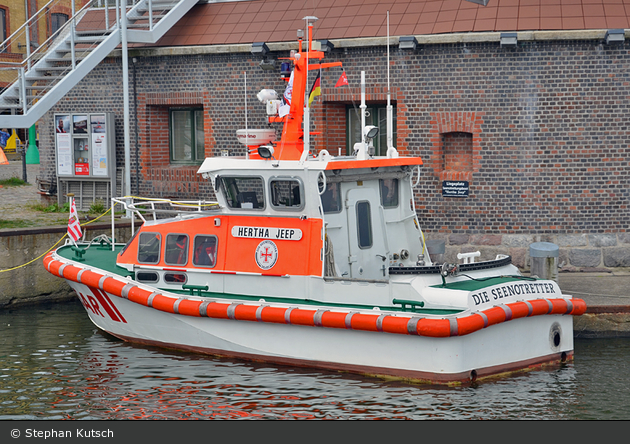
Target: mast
(390, 119)
(295, 142)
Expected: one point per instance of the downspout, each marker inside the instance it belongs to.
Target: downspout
(135, 113)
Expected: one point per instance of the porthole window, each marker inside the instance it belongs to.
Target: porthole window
(149, 248)
(175, 278)
(147, 276)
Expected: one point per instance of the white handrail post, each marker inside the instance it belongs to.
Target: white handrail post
(107, 14)
(28, 35)
(150, 15)
(23, 89)
(113, 228)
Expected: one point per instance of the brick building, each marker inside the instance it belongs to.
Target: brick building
(538, 128)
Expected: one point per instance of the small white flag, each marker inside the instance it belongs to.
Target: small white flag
(74, 227)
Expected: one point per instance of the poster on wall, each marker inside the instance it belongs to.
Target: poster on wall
(79, 124)
(99, 155)
(97, 123)
(64, 154)
(63, 124)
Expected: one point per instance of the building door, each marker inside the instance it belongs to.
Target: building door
(366, 234)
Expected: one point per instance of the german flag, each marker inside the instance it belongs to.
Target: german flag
(315, 90)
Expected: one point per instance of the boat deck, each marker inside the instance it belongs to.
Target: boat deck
(104, 258)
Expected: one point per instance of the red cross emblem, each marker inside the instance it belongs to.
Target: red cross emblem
(266, 254)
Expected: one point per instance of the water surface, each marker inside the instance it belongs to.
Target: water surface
(55, 364)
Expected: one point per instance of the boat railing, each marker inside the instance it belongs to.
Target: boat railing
(156, 208)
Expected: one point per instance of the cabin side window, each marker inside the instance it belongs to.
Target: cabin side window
(149, 248)
(364, 224)
(286, 194)
(176, 249)
(389, 193)
(205, 251)
(331, 198)
(244, 192)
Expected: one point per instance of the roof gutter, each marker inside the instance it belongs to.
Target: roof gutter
(428, 39)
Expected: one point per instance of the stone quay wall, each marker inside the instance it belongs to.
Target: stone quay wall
(577, 252)
(33, 284)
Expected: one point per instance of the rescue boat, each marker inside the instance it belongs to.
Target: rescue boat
(314, 260)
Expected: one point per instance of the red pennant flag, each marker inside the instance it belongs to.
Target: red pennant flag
(343, 80)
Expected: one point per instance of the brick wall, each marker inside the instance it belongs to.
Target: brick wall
(546, 124)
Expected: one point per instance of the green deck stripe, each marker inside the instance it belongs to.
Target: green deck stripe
(473, 285)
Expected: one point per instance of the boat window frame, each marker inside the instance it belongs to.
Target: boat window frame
(223, 189)
(381, 184)
(359, 224)
(339, 198)
(175, 273)
(216, 250)
(148, 281)
(159, 250)
(186, 253)
(301, 189)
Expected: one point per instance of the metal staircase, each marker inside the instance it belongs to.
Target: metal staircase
(57, 65)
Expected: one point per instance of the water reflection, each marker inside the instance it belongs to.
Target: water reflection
(54, 364)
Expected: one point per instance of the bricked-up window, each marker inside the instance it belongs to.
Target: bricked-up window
(375, 115)
(458, 151)
(3, 28)
(186, 129)
(57, 20)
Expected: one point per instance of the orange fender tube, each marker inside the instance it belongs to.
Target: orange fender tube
(470, 324)
(323, 318)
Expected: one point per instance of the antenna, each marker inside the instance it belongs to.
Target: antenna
(390, 119)
(246, 128)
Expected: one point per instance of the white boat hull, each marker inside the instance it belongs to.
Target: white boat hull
(503, 347)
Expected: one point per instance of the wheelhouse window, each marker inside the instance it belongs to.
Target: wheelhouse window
(57, 20)
(149, 248)
(244, 192)
(187, 137)
(331, 198)
(375, 115)
(205, 251)
(389, 193)
(286, 194)
(364, 224)
(176, 249)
